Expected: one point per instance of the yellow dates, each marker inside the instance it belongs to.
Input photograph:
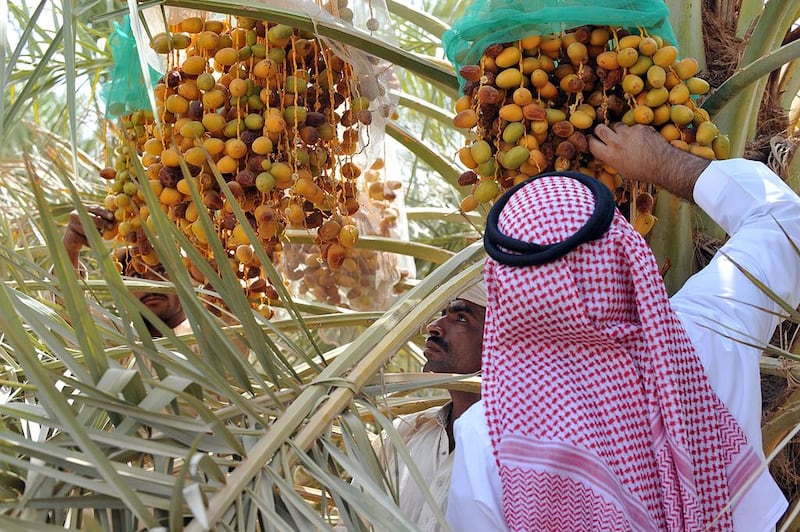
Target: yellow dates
(530, 106)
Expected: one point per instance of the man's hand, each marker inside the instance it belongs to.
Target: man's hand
(639, 152)
(75, 237)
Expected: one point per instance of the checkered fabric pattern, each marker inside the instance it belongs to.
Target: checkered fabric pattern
(599, 411)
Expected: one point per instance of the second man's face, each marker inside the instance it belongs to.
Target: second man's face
(454, 340)
(165, 305)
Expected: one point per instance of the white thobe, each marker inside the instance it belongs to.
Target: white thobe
(425, 436)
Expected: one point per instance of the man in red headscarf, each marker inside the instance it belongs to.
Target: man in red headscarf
(605, 405)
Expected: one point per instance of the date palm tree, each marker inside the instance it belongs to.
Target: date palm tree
(104, 427)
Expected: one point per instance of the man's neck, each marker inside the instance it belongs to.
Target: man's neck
(153, 330)
(461, 402)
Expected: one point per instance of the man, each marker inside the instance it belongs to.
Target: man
(606, 406)
(166, 306)
(453, 346)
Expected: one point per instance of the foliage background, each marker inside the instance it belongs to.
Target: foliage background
(103, 428)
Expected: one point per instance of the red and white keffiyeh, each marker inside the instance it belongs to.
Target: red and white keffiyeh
(599, 411)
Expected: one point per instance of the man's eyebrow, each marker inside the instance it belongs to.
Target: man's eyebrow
(459, 305)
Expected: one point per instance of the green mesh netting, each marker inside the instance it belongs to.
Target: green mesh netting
(488, 22)
(125, 91)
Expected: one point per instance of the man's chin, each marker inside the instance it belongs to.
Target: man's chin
(431, 368)
(158, 312)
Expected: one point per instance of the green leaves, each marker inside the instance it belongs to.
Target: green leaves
(242, 420)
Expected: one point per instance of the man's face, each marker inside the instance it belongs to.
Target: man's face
(166, 306)
(455, 339)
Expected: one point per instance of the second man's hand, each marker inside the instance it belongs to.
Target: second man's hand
(74, 238)
(639, 152)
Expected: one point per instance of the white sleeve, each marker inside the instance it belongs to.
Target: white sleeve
(475, 498)
(720, 305)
